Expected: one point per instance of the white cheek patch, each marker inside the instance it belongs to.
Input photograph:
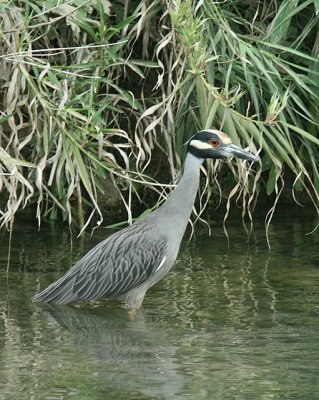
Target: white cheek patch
(225, 138)
(198, 144)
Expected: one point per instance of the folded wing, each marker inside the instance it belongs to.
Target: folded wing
(113, 267)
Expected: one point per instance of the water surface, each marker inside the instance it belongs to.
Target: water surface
(231, 321)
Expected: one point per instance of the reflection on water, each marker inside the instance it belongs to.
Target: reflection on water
(121, 350)
(229, 322)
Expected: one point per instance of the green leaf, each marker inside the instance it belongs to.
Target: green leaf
(289, 50)
(5, 118)
(277, 30)
(271, 182)
(82, 169)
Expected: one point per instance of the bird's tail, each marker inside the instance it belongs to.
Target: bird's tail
(58, 292)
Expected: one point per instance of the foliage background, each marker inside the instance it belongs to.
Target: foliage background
(99, 94)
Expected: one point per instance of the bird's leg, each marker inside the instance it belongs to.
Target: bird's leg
(132, 313)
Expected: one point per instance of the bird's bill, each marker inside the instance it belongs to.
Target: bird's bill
(232, 150)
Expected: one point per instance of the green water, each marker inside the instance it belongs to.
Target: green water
(230, 321)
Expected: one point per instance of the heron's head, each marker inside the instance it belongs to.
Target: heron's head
(216, 144)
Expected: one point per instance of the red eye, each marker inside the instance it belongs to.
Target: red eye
(214, 142)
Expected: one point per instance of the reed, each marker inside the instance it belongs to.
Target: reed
(92, 89)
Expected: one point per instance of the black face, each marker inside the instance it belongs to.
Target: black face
(204, 136)
(216, 144)
(204, 144)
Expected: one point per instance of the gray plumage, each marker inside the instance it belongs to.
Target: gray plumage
(113, 267)
(129, 262)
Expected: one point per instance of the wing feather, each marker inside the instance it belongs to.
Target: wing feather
(113, 267)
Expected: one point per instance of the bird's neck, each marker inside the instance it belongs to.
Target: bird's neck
(178, 207)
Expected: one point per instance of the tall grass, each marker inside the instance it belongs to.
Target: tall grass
(64, 105)
(91, 90)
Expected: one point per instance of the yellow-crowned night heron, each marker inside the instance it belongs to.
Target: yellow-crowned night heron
(129, 262)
